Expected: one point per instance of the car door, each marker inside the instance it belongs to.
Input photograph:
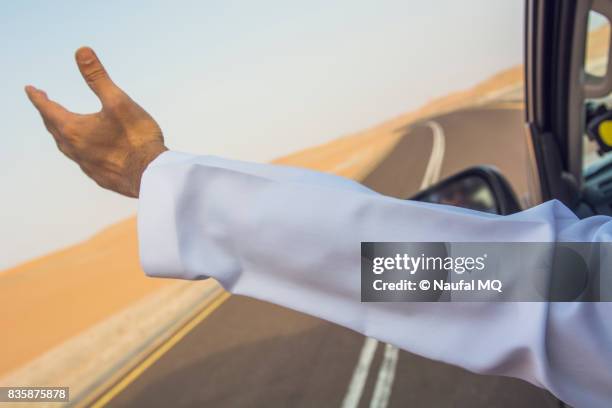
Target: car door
(568, 81)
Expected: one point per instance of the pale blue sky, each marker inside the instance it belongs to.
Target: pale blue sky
(243, 79)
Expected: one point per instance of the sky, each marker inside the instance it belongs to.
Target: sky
(239, 79)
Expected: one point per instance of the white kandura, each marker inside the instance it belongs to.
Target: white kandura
(292, 237)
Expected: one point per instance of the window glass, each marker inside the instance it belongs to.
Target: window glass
(596, 60)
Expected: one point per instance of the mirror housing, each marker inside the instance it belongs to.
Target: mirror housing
(480, 188)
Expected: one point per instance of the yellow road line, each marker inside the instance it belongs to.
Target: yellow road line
(159, 352)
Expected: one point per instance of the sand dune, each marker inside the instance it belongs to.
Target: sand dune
(50, 299)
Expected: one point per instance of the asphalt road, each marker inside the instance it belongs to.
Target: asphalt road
(248, 353)
(491, 136)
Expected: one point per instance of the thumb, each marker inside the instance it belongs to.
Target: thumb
(94, 74)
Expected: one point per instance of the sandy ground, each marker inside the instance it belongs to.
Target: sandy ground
(48, 300)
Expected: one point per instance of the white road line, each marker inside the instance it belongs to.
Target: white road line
(386, 373)
(434, 166)
(360, 374)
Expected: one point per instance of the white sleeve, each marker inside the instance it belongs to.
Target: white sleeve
(292, 237)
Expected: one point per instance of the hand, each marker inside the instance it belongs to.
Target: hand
(113, 146)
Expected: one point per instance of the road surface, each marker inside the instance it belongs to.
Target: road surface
(248, 353)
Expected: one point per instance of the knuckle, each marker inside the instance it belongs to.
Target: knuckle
(66, 149)
(70, 132)
(95, 74)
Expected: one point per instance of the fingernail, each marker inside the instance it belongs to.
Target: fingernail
(30, 88)
(85, 55)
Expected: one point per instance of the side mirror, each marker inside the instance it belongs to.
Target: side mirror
(479, 188)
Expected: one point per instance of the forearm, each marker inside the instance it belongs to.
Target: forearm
(292, 237)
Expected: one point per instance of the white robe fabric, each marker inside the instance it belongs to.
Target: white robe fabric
(292, 237)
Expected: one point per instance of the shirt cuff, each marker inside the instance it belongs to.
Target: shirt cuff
(157, 235)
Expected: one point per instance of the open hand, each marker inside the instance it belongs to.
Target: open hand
(113, 146)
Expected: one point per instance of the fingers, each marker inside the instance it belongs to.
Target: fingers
(52, 112)
(95, 75)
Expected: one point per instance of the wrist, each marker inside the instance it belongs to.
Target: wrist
(146, 154)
